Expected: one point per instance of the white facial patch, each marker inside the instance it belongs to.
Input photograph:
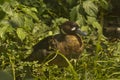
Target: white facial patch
(74, 28)
(118, 29)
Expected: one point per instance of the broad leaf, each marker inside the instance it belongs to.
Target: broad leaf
(17, 20)
(73, 13)
(21, 33)
(80, 19)
(31, 13)
(7, 8)
(3, 31)
(90, 8)
(28, 23)
(98, 26)
(90, 19)
(104, 4)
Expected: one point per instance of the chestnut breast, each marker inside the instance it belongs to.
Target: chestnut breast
(71, 45)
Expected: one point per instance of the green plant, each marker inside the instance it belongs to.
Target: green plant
(25, 22)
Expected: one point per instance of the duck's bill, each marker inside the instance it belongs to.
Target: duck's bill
(78, 31)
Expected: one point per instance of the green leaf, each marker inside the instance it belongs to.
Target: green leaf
(33, 9)
(73, 13)
(90, 19)
(90, 8)
(80, 19)
(7, 9)
(76, 15)
(21, 33)
(3, 31)
(17, 20)
(85, 28)
(31, 13)
(104, 4)
(98, 26)
(28, 23)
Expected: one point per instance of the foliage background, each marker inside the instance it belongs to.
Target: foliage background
(25, 22)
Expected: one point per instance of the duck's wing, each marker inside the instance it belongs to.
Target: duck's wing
(42, 49)
(43, 44)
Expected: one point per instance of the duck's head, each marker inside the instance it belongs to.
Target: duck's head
(71, 28)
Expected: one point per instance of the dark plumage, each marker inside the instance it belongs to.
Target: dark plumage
(68, 42)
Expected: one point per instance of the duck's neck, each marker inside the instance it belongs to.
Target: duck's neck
(70, 35)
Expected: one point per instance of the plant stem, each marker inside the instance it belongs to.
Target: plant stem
(13, 67)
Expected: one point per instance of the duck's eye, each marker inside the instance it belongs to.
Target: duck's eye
(73, 29)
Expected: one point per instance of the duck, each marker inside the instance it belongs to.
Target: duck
(68, 43)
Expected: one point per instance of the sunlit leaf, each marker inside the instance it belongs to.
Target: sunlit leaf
(85, 28)
(80, 19)
(21, 33)
(31, 13)
(90, 19)
(17, 20)
(90, 8)
(7, 8)
(3, 31)
(98, 26)
(28, 23)
(33, 9)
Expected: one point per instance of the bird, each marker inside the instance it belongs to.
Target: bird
(68, 42)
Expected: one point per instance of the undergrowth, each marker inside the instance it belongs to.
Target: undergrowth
(23, 23)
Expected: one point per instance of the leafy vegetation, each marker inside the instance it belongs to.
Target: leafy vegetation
(25, 22)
